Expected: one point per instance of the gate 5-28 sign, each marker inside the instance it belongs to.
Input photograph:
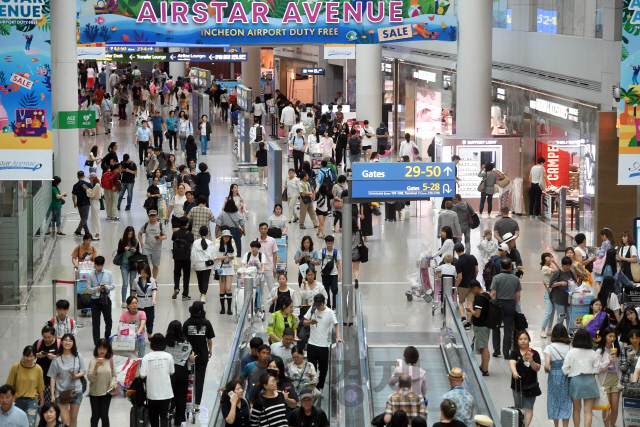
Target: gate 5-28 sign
(403, 180)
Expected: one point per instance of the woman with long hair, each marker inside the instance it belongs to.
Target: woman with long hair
(356, 242)
(128, 245)
(65, 372)
(448, 410)
(411, 356)
(224, 265)
(94, 195)
(102, 382)
(548, 265)
(234, 221)
(171, 171)
(199, 332)
(50, 416)
(338, 190)
(185, 129)
(233, 405)
(323, 207)
(309, 289)
(191, 148)
(627, 254)
(202, 258)
(524, 363)
(626, 324)
(629, 356)
(610, 376)
(153, 194)
(56, 206)
(179, 347)
(558, 396)
(46, 349)
(490, 176)
(341, 144)
(580, 365)
(277, 369)
(27, 379)
(607, 243)
(609, 297)
(239, 201)
(159, 174)
(269, 409)
(93, 156)
(306, 255)
(446, 234)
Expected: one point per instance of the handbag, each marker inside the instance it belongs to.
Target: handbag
(632, 391)
(102, 203)
(532, 390)
(505, 181)
(415, 151)
(88, 163)
(378, 420)
(598, 265)
(137, 260)
(482, 186)
(635, 272)
(306, 200)
(337, 204)
(284, 194)
(117, 390)
(363, 251)
(602, 401)
(117, 260)
(167, 135)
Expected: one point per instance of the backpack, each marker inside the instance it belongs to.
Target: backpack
(57, 340)
(144, 227)
(53, 322)
(354, 145)
(259, 136)
(136, 75)
(598, 323)
(139, 397)
(181, 250)
(324, 176)
(106, 181)
(327, 269)
(249, 256)
(495, 313)
(488, 272)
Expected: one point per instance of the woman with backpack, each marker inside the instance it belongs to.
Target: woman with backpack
(610, 375)
(558, 396)
(27, 379)
(46, 349)
(67, 382)
(580, 365)
(323, 207)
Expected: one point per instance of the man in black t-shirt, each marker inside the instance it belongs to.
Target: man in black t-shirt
(479, 315)
(182, 261)
(136, 92)
(199, 333)
(307, 414)
(129, 172)
(467, 269)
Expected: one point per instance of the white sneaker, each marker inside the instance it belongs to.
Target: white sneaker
(543, 334)
(203, 299)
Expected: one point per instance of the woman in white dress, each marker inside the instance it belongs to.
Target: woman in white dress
(94, 195)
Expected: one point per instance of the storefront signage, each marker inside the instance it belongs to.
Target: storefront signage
(189, 23)
(403, 180)
(501, 94)
(427, 76)
(244, 99)
(25, 85)
(629, 113)
(479, 142)
(556, 165)
(339, 52)
(207, 57)
(313, 71)
(75, 120)
(131, 48)
(91, 53)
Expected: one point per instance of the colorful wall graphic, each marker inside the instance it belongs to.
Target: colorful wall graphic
(189, 23)
(25, 96)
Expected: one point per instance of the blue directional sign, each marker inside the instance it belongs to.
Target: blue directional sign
(207, 57)
(403, 180)
(130, 49)
(313, 71)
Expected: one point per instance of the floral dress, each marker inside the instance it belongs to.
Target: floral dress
(559, 402)
(487, 249)
(304, 376)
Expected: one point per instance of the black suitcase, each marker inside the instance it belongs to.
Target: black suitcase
(139, 416)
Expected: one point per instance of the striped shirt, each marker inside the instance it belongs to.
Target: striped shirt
(269, 412)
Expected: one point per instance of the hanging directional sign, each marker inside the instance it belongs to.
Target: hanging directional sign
(138, 57)
(131, 48)
(403, 180)
(207, 57)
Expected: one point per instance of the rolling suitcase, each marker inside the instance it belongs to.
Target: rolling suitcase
(139, 416)
(513, 416)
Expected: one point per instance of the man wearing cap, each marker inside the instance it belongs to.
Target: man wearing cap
(505, 225)
(405, 399)
(321, 321)
(483, 421)
(152, 244)
(503, 249)
(506, 288)
(513, 254)
(464, 399)
(467, 270)
(308, 414)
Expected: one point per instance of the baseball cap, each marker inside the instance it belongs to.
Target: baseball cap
(152, 212)
(503, 247)
(306, 393)
(458, 247)
(318, 300)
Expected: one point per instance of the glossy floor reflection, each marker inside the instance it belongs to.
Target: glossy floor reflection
(394, 249)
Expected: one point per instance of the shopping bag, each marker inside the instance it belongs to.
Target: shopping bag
(102, 203)
(602, 402)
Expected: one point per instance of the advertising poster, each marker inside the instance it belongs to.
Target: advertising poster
(25, 93)
(556, 165)
(188, 23)
(428, 113)
(629, 151)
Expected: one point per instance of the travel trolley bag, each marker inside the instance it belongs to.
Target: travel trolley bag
(139, 416)
(513, 416)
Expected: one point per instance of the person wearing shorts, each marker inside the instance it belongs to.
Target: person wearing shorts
(467, 269)
(151, 246)
(481, 330)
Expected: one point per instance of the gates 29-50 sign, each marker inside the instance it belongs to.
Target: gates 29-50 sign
(189, 23)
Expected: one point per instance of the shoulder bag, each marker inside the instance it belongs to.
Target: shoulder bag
(363, 251)
(117, 390)
(236, 225)
(482, 186)
(117, 260)
(505, 181)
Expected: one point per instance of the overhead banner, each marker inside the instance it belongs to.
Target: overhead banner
(207, 57)
(188, 23)
(91, 52)
(25, 91)
(628, 150)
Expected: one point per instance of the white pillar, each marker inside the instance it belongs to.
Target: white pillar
(176, 69)
(369, 83)
(64, 89)
(473, 84)
(251, 69)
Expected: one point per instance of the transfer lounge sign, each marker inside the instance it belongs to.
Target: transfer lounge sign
(189, 23)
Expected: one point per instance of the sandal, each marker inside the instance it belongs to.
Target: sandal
(484, 373)
(303, 227)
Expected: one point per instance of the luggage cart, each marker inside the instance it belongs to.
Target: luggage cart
(578, 308)
(253, 282)
(85, 268)
(126, 348)
(191, 394)
(422, 288)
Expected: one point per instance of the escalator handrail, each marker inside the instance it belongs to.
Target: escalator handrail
(367, 401)
(215, 412)
(495, 416)
(335, 409)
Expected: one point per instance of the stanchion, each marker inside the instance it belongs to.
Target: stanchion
(54, 294)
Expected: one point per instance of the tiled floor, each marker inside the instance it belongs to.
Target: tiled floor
(394, 249)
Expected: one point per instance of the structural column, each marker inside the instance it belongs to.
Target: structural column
(369, 83)
(64, 89)
(473, 85)
(176, 69)
(251, 69)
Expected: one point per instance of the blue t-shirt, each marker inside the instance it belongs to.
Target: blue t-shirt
(298, 142)
(143, 134)
(171, 123)
(157, 123)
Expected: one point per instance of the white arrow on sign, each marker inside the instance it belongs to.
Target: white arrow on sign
(211, 56)
(446, 188)
(448, 170)
(172, 56)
